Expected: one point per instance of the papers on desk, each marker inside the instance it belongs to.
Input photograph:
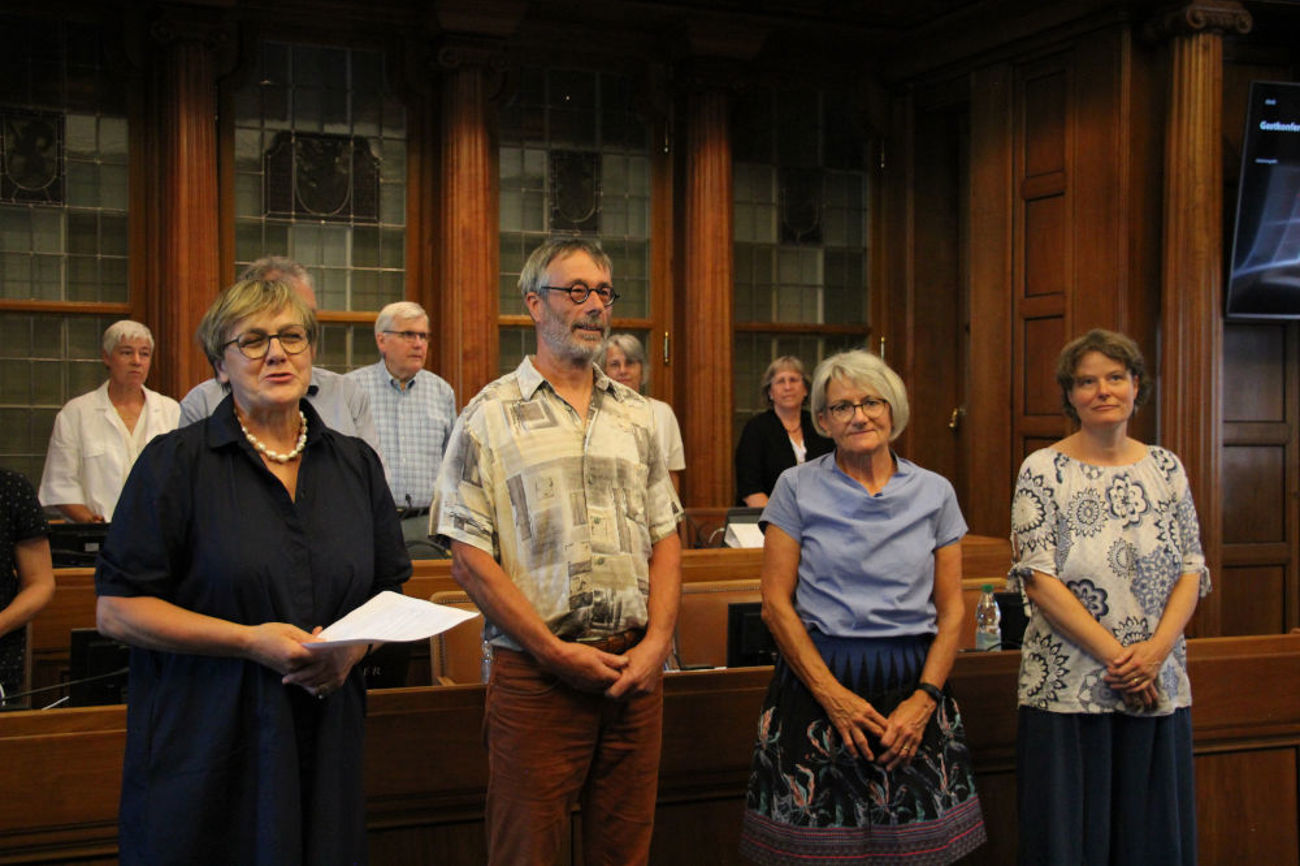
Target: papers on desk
(391, 617)
(743, 535)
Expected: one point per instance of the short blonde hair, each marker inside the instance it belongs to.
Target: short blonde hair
(864, 370)
(248, 298)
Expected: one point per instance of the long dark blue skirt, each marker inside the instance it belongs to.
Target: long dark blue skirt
(812, 802)
(1105, 788)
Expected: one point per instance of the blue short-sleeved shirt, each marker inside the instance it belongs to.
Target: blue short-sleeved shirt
(866, 566)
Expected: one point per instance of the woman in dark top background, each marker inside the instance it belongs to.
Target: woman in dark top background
(234, 540)
(779, 438)
(26, 575)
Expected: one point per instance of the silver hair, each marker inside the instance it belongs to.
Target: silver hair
(270, 268)
(865, 370)
(398, 310)
(631, 347)
(125, 329)
(534, 270)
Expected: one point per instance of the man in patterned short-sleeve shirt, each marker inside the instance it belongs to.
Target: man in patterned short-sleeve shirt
(562, 521)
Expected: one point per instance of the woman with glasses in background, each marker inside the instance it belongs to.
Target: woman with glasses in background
(238, 537)
(861, 755)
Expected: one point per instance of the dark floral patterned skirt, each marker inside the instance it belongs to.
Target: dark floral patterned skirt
(810, 801)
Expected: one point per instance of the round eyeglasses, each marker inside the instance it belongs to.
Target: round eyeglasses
(254, 345)
(579, 292)
(872, 407)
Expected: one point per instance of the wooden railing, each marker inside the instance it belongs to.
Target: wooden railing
(425, 767)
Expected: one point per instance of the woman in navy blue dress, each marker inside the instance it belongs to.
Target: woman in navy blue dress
(235, 539)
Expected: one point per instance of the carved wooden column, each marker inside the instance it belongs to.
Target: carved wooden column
(186, 275)
(467, 293)
(470, 57)
(1191, 310)
(707, 290)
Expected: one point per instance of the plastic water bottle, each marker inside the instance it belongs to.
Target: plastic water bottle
(988, 619)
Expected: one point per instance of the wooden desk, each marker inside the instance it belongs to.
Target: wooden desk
(426, 768)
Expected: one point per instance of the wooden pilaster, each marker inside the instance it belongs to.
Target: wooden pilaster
(708, 339)
(187, 274)
(1191, 312)
(467, 290)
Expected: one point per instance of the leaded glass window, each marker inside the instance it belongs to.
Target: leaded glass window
(320, 176)
(63, 223)
(574, 158)
(802, 210)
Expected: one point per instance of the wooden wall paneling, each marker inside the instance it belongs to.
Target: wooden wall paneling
(468, 227)
(1251, 598)
(1098, 162)
(892, 302)
(708, 264)
(1254, 373)
(1260, 511)
(937, 313)
(1191, 320)
(1246, 807)
(1043, 279)
(425, 764)
(1254, 481)
(990, 268)
(1142, 143)
(187, 274)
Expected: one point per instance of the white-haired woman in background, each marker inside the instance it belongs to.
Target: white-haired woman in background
(97, 436)
(861, 755)
(624, 362)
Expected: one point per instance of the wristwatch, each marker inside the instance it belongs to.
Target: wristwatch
(932, 690)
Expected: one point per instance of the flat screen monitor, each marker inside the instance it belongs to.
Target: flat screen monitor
(1264, 280)
(97, 669)
(75, 545)
(749, 643)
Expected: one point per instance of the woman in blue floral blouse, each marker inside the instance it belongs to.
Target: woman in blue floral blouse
(1107, 553)
(860, 755)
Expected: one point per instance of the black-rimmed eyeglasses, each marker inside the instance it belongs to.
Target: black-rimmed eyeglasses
(872, 407)
(579, 292)
(254, 345)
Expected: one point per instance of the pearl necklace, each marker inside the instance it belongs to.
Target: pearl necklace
(276, 455)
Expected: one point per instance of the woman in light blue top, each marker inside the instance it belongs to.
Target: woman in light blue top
(860, 755)
(1107, 551)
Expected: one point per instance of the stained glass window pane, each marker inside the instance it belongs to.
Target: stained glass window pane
(337, 204)
(574, 158)
(63, 235)
(801, 251)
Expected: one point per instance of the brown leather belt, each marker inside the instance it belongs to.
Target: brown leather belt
(615, 643)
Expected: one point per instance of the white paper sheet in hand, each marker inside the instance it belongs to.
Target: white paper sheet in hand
(391, 617)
